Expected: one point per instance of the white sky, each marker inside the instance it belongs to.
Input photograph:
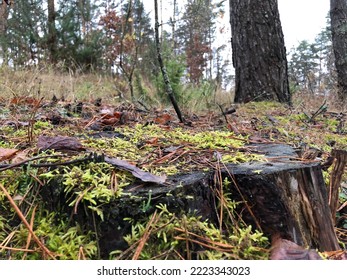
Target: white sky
(301, 19)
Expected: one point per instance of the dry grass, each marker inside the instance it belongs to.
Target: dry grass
(308, 102)
(46, 83)
(38, 83)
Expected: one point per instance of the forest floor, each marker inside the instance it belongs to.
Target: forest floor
(38, 134)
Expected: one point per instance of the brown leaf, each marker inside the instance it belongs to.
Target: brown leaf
(283, 249)
(59, 143)
(152, 141)
(6, 154)
(163, 119)
(21, 156)
(137, 172)
(109, 121)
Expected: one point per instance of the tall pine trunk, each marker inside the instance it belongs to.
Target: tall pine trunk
(259, 54)
(338, 15)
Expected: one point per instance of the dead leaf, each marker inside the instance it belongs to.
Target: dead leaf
(110, 121)
(152, 141)
(137, 172)
(283, 249)
(6, 154)
(21, 156)
(163, 119)
(111, 118)
(59, 143)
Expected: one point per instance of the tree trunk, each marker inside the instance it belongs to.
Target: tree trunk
(52, 34)
(4, 12)
(338, 15)
(259, 54)
(167, 83)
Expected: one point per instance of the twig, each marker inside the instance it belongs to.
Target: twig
(145, 236)
(320, 110)
(9, 166)
(29, 235)
(16, 249)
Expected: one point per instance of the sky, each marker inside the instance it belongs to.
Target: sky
(301, 19)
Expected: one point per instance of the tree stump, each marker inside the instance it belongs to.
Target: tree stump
(286, 197)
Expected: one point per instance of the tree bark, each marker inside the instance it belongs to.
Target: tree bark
(338, 16)
(340, 162)
(52, 33)
(259, 54)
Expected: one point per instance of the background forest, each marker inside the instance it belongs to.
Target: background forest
(114, 40)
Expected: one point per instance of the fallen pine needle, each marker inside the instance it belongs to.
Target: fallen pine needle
(25, 222)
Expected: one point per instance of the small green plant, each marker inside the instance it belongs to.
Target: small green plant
(147, 205)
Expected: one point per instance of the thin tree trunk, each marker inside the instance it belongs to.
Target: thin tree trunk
(259, 54)
(338, 16)
(173, 26)
(4, 12)
(167, 83)
(128, 74)
(52, 33)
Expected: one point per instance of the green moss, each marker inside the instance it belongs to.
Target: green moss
(171, 234)
(40, 125)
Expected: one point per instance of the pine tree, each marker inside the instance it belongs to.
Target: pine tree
(303, 66)
(79, 44)
(24, 36)
(259, 54)
(311, 65)
(196, 36)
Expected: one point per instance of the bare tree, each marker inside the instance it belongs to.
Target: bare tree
(167, 83)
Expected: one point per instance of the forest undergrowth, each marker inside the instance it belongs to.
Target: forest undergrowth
(54, 126)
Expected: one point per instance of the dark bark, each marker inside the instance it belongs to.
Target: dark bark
(340, 162)
(289, 200)
(167, 83)
(52, 33)
(259, 54)
(338, 16)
